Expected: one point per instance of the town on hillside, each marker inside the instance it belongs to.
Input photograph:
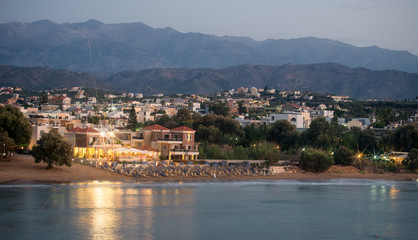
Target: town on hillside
(104, 127)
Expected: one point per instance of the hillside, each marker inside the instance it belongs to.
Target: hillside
(43, 78)
(359, 83)
(109, 48)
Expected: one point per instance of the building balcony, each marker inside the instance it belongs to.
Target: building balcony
(125, 141)
(107, 146)
(170, 140)
(184, 151)
(137, 138)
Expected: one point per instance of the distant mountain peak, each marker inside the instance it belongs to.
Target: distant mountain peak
(93, 22)
(136, 46)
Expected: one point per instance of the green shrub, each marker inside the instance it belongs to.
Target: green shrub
(344, 156)
(412, 160)
(315, 160)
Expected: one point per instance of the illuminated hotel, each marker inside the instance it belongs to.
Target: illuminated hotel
(148, 143)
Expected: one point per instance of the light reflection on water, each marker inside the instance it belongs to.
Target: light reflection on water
(106, 202)
(232, 210)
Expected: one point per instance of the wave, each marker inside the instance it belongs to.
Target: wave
(215, 183)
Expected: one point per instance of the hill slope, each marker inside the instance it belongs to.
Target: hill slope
(42, 78)
(359, 83)
(109, 48)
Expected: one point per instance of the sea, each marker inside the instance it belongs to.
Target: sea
(233, 210)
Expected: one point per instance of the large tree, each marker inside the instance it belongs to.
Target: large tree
(403, 139)
(53, 149)
(219, 108)
(219, 126)
(359, 140)
(255, 133)
(283, 133)
(15, 129)
(321, 134)
(184, 117)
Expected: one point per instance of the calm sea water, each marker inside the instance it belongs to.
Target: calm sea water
(281, 209)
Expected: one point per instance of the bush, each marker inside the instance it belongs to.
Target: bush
(265, 151)
(315, 160)
(344, 156)
(216, 152)
(412, 160)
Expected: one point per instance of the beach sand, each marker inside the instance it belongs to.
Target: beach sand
(23, 169)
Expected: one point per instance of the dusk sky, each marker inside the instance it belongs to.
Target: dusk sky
(388, 24)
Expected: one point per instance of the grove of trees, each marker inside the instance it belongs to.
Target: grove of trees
(15, 130)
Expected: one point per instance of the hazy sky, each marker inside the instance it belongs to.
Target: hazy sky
(388, 24)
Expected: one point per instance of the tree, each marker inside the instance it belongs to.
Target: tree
(43, 99)
(343, 156)
(367, 140)
(53, 149)
(315, 160)
(219, 108)
(216, 152)
(283, 133)
(184, 117)
(320, 134)
(241, 108)
(166, 121)
(265, 151)
(132, 119)
(386, 116)
(403, 139)
(15, 126)
(359, 140)
(255, 133)
(412, 160)
(218, 125)
(210, 134)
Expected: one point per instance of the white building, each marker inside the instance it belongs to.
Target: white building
(328, 114)
(298, 119)
(91, 100)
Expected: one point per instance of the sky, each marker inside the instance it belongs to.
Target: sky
(390, 24)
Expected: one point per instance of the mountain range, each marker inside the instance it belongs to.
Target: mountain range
(44, 78)
(358, 83)
(105, 49)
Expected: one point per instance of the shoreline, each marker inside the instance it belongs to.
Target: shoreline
(23, 170)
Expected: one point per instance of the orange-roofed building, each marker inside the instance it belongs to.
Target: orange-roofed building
(174, 144)
(90, 143)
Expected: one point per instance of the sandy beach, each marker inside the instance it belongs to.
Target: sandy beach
(23, 169)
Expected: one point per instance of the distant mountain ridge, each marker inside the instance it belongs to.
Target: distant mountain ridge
(358, 83)
(95, 47)
(43, 78)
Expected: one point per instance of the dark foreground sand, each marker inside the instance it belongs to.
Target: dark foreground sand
(23, 169)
